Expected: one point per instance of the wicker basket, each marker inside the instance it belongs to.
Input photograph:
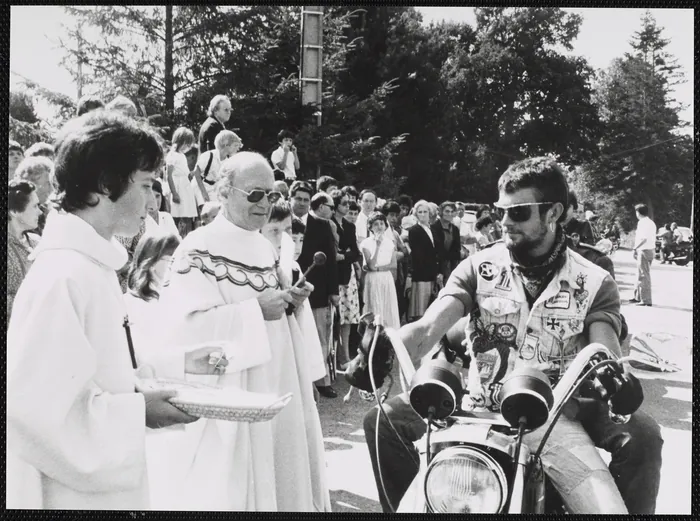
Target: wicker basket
(215, 403)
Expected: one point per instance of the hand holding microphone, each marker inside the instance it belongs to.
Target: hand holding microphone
(302, 289)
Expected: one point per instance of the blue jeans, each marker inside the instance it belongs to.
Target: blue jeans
(635, 465)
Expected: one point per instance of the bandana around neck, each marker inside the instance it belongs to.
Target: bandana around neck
(537, 276)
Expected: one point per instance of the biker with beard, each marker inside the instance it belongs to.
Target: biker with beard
(527, 300)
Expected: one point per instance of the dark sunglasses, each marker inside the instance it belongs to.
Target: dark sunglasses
(329, 206)
(255, 196)
(518, 213)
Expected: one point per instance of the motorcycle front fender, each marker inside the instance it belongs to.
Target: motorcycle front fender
(414, 499)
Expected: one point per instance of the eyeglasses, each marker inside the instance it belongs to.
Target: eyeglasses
(329, 206)
(255, 196)
(518, 213)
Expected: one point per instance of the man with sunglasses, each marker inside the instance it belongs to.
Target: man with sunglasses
(225, 286)
(529, 301)
(318, 237)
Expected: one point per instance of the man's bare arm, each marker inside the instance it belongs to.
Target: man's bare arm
(420, 336)
(604, 333)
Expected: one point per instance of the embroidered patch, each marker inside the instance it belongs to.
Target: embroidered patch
(581, 294)
(504, 281)
(487, 271)
(553, 324)
(507, 332)
(529, 348)
(561, 300)
(527, 352)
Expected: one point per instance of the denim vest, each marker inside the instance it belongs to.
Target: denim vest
(504, 333)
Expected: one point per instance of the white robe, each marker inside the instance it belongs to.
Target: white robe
(210, 294)
(75, 426)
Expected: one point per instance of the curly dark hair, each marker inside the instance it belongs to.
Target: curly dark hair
(19, 192)
(544, 176)
(98, 153)
(149, 250)
(374, 217)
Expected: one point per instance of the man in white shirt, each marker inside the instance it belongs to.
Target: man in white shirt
(285, 158)
(368, 203)
(644, 243)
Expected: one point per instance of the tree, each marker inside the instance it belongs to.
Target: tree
(153, 54)
(513, 94)
(22, 106)
(643, 158)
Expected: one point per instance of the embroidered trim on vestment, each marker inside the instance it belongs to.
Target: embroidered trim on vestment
(224, 268)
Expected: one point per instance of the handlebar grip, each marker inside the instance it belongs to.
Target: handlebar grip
(629, 396)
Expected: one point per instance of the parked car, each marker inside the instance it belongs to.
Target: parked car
(682, 249)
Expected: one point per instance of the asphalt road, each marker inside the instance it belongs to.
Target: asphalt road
(668, 397)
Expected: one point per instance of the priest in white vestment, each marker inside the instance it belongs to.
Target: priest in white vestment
(224, 285)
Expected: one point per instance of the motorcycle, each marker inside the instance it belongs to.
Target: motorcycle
(474, 461)
(681, 253)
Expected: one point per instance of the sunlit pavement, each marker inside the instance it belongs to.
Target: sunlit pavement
(668, 398)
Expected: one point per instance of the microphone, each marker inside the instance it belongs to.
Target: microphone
(319, 260)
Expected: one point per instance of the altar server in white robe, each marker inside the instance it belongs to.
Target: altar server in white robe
(223, 285)
(75, 423)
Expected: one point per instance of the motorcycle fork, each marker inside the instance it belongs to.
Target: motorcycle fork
(533, 500)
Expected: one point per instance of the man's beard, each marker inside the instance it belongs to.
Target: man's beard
(522, 248)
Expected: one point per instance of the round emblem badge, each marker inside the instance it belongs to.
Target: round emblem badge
(507, 332)
(487, 271)
(527, 352)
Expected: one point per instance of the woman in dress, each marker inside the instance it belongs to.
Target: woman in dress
(183, 205)
(23, 213)
(424, 273)
(379, 254)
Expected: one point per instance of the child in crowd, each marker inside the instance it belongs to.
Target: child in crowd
(285, 158)
(287, 237)
(183, 204)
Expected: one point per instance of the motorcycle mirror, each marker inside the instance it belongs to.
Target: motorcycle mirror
(436, 384)
(526, 396)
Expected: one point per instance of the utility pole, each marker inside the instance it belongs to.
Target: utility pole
(311, 82)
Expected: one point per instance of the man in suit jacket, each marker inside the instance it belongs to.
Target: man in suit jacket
(447, 240)
(318, 237)
(219, 113)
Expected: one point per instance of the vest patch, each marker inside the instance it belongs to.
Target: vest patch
(487, 271)
(504, 281)
(561, 300)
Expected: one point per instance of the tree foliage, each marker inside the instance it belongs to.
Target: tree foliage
(438, 111)
(643, 158)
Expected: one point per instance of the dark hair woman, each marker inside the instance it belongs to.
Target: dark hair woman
(23, 213)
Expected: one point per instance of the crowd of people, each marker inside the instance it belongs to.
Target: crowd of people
(131, 257)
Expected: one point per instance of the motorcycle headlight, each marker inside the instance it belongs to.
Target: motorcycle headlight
(465, 480)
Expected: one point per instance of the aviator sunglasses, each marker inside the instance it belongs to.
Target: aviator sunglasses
(255, 196)
(518, 213)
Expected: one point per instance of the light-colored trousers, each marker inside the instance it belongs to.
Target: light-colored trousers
(642, 288)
